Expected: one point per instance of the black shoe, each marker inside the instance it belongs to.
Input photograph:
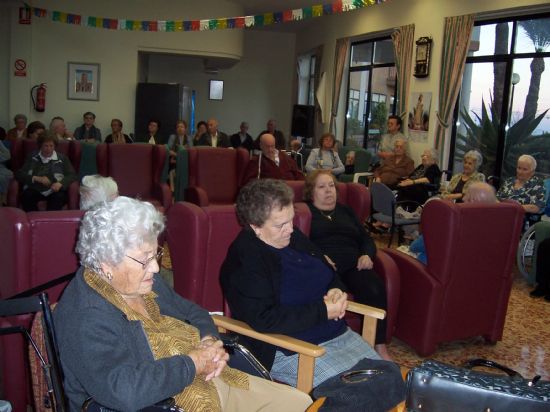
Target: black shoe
(539, 292)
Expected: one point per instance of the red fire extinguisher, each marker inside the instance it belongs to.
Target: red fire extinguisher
(40, 102)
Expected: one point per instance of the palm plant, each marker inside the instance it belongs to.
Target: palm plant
(481, 133)
(539, 33)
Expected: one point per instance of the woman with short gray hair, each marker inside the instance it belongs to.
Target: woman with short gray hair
(96, 189)
(415, 189)
(130, 341)
(525, 188)
(276, 280)
(459, 183)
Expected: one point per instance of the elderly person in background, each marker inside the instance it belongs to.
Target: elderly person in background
(325, 157)
(59, 130)
(96, 189)
(526, 188)
(459, 183)
(88, 131)
(242, 138)
(337, 231)
(20, 129)
(5, 173)
(213, 137)
(476, 192)
(128, 340)
(271, 163)
(416, 187)
(271, 128)
(35, 129)
(46, 175)
(276, 280)
(117, 136)
(395, 167)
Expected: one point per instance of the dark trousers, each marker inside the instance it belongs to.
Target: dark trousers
(543, 264)
(368, 287)
(417, 193)
(31, 197)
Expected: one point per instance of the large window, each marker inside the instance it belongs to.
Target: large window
(503, 107)
(371, 92)
(306, 79)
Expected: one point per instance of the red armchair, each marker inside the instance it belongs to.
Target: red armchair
(214, 175)
(199, 238)
(36, 247)
(137, 169)
(21, 148)
(463, 291)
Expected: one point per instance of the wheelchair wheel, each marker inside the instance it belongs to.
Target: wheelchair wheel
(525, 257)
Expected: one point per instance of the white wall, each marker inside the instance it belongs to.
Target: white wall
(255, 89)
(48, 47)
(428, 17)
(5, 121)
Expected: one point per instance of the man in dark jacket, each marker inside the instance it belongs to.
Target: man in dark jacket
(88, 131)
(213, 137)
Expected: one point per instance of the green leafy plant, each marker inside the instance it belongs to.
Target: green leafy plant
(481, 133)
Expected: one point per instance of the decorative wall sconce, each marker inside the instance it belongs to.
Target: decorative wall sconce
(423, 54)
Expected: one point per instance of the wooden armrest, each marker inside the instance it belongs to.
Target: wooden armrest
(356, 176)
(307, 352)
(370, 317)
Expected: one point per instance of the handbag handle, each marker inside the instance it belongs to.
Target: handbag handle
(492, 364)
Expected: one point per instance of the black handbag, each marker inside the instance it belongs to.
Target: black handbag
(435, 386)
(370, 386)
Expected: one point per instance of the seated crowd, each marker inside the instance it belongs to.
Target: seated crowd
(274, 277)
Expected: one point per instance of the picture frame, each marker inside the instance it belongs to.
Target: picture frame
(83, 81)
(215, 90)
(423, 55)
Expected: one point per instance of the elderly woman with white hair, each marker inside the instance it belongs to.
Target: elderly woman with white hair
(416, 187)
(459, 183)
(96, 189)
(525, 188)
(129, 341)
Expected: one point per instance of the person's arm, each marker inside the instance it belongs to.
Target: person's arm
(69, 175)
(339, 167)
(248, 282)
(5, 154)
(102, 357)
(312, 160)
(190, 311)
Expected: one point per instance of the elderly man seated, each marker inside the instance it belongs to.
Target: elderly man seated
(271, 163)
(396, 167)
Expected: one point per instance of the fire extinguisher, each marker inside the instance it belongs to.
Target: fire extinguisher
(40, 102)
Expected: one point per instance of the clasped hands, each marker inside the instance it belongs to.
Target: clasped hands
(337, 302)
(44, 180)
(209, 357)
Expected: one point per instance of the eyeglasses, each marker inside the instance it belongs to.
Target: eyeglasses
(157, 256)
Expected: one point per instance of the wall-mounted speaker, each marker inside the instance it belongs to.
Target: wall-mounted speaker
(303, 120)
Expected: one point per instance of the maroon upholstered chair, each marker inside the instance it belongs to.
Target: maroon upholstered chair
(354, 195)
(137, 169)
(21, 148)
(463, 291)
(37, 247)
(214, 175)
(198, 239)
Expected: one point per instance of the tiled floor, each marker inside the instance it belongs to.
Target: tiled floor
(525, 346)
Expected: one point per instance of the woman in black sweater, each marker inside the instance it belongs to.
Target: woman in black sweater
(338, 233)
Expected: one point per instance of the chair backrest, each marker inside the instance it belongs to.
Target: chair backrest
(217, 171)
(199, 239)
(383, 199)
(471, 244)
(36, 248)
(135, 167)
(13, 322)
(362, 157)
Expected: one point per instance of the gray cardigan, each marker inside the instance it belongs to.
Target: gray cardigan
(107, 357)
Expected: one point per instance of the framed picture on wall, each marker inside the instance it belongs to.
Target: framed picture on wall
(83, 81)
(216, 90)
